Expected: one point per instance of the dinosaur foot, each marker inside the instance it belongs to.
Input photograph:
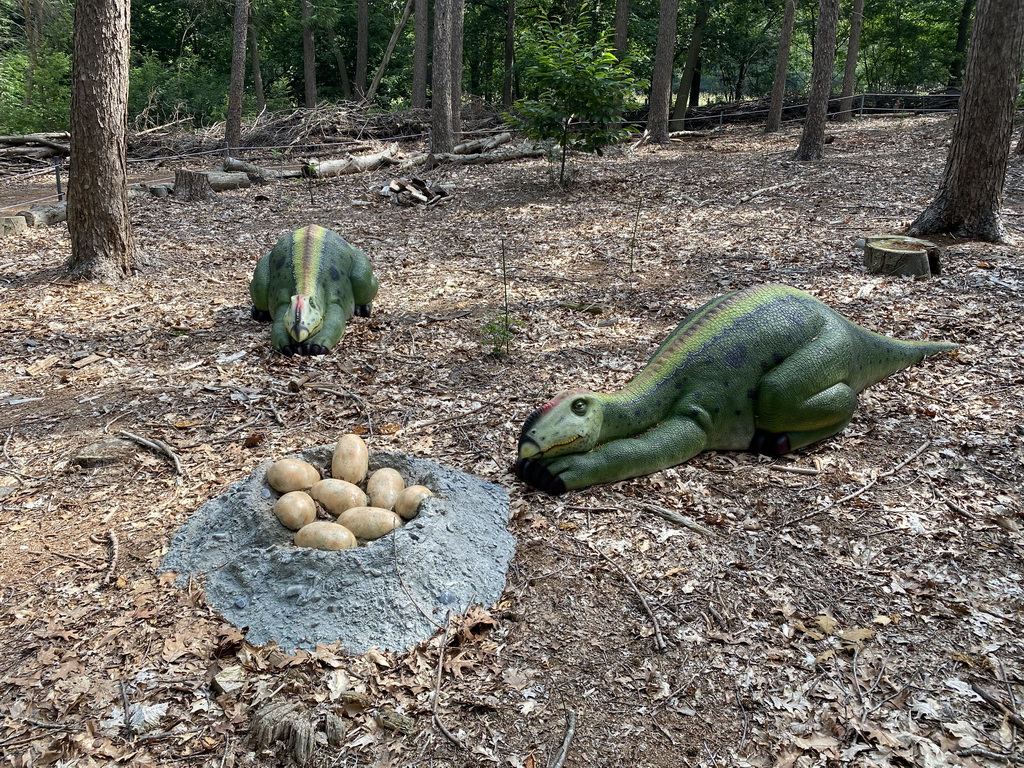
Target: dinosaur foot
(363, 310)
(262, 315)
(537, 475)
(303, 349)
(770, 443)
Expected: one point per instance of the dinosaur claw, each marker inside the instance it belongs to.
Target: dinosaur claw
(539, 476)
(286, 350)
(770, 443)
(363, 310)
(261, 315)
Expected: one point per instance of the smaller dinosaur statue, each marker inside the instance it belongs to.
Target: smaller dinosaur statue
(308, 286)
(767, 369)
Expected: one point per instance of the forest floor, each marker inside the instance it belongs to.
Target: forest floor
(858, 602)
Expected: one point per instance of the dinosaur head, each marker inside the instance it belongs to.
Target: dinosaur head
(571, 423)
(304, 317)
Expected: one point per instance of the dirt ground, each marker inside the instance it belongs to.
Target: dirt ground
(856, 603)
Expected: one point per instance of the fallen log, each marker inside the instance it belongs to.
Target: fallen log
(258, 174)
(414, 190)
(45, 215)
(40, 139)
(351, 164)
(221, 180)
(477, 146)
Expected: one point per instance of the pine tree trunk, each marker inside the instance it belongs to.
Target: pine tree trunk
(621, 28)
(812, 140)
(850, 71)
(678, 121)
(458, 16)
(661, 79)
(308, 55)
(102, 242)
(389, 50)
(967, 203)
(963, 32)
(257, 75)
(442, 122)
(362, 45)
(781, 69)
(346, 86)
(236, 91)
(508, 85)
(421, 47)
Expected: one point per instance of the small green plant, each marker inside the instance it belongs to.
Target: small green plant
(501, 327)
(581, 91)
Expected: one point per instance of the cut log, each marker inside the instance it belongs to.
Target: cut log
(901, 255)
(41, 139)
(257, 174)
(351, 164)
(10, 225)
(45, 215)
(476, 146)
(414, 190)
(192, 186)
(222, 180)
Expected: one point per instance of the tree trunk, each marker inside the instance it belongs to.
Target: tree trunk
(661, 79)
(967, 203)
(102, 242)
(686, 81)
(257, 75)
(850, 70)
(458, 18)
(621, 28)
(442, 122)
(812, 140)
(32, 40)
(346, 86)
(308, 54)
(389, 50)
(508, 83)
(193, 186)
(362, 45)
(233, 124)
(963, 32)
(781, 69)
(421, 47)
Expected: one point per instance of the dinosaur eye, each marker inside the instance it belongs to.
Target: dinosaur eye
(579, 407)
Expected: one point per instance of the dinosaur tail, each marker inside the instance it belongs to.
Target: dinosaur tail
(880, 356)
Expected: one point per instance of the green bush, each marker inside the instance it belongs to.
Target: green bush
(162, 91)
(49, 107)
(581, 89)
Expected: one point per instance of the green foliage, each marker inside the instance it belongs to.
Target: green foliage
(49, 103)
(581, 90)
(162, 91)
(908, 46)
(498, 332)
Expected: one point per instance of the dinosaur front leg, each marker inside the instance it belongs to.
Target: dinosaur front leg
(671, 442)
(333, 328)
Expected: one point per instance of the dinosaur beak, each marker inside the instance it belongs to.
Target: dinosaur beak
(300, 328)
(528, 449)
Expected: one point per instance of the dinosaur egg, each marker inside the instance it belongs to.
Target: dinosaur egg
(408, 504)
(369, 523)
(338, 495)
(295, 509)
(291, 475)
(383, 487)
(321, 534)
(350, 459)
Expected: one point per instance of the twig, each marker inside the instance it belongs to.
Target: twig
(156, 445)
(860, 490)
(976, 752)
(112, 568)
(773, 188)
(996, 703)
(437, 687)
(659, 638)
(675, 517)
(795, 470)
(563, 752)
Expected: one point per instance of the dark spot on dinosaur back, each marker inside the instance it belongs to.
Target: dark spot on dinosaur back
(334, 274)
(736, 357)
(280, 262)
(752, 394)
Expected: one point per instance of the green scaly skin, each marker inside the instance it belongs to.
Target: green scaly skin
(767, 369)
(309, 285)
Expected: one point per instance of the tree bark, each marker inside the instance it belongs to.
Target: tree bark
(959, 58)
(346, 86)
(421, 47)
(970, 193)
(236, 90)
(458, 17)
(781, 69)
(257, 75)
(661, 79)
(102, 242)
(442, 123)
(308, 55)
(621, 28)
(812, 140)
(192, 186)
(362, 45)
(850, 70)
(508, 84)
(678, 121)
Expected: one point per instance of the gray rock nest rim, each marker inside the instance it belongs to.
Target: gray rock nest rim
(391, 593)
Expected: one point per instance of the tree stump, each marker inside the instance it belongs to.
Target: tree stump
(10, 225)
(901, 255)
(192, 186)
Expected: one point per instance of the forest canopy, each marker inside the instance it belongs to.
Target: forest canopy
(181, 53)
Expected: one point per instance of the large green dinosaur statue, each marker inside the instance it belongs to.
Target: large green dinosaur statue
(766, 369)
(309, 285)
